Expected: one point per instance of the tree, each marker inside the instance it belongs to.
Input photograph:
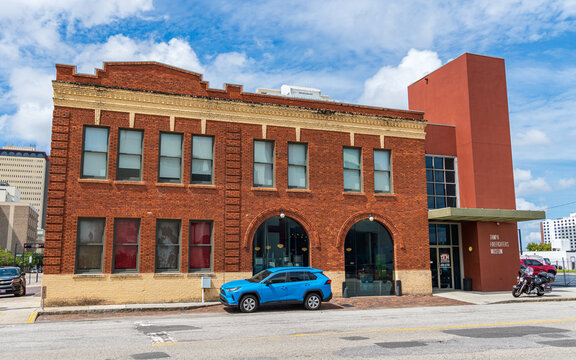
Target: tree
(539, 247)
(6, 257)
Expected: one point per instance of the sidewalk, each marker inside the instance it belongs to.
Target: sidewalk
(440, 298)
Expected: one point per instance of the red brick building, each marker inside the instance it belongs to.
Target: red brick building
(158, 180)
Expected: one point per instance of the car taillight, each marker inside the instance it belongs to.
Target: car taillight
(328, 282)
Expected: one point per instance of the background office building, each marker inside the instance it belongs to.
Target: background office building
(157, 180)
(560, 233)
(27, 170)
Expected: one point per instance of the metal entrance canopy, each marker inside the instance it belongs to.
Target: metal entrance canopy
(493, 215)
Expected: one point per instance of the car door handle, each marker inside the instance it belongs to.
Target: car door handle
(307, 285)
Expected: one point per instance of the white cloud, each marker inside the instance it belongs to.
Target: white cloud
(522, 175)
(522, 204)
(35, 27)
(566, 183)
(533, 237)
(389, 86)
(31, 91)
(531, 137)
(176, 52)
(526, 184)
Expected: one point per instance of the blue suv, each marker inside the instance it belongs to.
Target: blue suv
(302, 285)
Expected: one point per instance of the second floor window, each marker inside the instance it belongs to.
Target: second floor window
(129, 155)
(263, 163)
(352, 170)
(202, 160)
(297, 166)
(170, 162)
(95, 153)
(441, 182)
(382, 179)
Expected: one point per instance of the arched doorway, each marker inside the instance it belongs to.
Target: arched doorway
(280, 242)
(369, 260)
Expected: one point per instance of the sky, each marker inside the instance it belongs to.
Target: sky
(362, 51)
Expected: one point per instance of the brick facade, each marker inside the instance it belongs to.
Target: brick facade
(126, 96)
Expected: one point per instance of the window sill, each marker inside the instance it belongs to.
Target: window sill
(385, 194)
(95, 181)
(264, 189)
(95, 276)
(304, 191)
(202, 186)
(130, 183)
(169, 275)
(170, 185)
(354, 193)
(126, 275)
(201, 274)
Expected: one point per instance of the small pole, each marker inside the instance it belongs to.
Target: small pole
(520, 239)
(202, 295)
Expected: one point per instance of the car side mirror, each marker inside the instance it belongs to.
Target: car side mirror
(267, 282)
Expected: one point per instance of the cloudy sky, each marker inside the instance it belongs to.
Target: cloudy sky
(362, 51)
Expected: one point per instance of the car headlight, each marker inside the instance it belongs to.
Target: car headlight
(233, 289)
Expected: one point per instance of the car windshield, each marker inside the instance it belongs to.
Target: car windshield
(8, 272)
(260, 276)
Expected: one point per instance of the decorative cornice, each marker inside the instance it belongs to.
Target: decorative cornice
(131, 101)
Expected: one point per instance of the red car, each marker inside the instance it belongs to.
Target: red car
(538, 266)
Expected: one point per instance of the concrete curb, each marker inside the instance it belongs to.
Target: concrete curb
(532, 300)
(123, 310)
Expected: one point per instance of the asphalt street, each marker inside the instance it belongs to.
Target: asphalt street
(498, 331)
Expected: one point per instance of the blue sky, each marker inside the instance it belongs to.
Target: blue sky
(355, 51)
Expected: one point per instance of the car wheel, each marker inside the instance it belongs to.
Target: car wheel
(248, 304)
(312, 301)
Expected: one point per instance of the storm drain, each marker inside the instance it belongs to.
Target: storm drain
(401, 344)
(151, 355)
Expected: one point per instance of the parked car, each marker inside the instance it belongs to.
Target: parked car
(302, 285)
(12, 281)
(538, 266)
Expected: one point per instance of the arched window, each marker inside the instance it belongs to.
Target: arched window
(369, 260)
(280, 242)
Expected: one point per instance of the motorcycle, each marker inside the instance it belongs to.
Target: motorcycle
(528, 283)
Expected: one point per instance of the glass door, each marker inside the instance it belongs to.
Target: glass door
(445, 268)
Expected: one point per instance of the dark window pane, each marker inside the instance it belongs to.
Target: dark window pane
(450, 176)
(430, 189)
(89, 257)
(449, 163)
(450, 202)
(295, 276)
(438, 163)
(439, 189)
(431, 202)
(200, 257)
(200, 233)
(278, 278)
(451, 190)
(127, 231)
(440, 202)
(455, 235)
(310, 276)
(428, 162)
(439, 176)
(443, 234)
(432, 234)
(429, 175)
(125, 257)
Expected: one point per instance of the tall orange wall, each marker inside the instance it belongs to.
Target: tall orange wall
(470, 93)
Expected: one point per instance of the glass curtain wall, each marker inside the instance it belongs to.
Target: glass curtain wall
(280, 242)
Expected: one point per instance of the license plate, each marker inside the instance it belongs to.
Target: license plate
(2, 291)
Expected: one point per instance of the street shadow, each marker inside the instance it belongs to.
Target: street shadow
(281, 308)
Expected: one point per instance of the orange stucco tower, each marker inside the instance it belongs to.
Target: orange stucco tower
(465, 103)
